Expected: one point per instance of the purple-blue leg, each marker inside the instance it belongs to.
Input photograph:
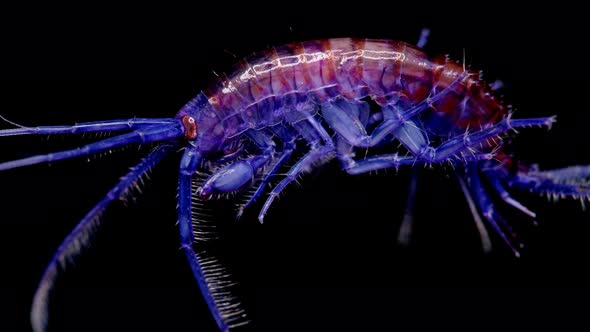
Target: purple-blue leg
(374, 163)
(188, 166)
(500, 226)
(494, 180)
(306, 131)
(87, 127)
(466, 141)
(207, 271)
(318, 152)
(573, 181)
(288, 140)
(79, 238)
(345, 117)
(405, 228)
(486, 243)
(414, 139)
(413, 142)
(303, 164)
(144, 135)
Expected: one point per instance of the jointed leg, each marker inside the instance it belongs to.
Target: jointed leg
(346, 117)
(188, 166)
(87, 127)
(287, 150)
(79, 238)
(469, 140)
(318, 152)
(303, 164)
(144, 135)
(405, 228)
(492, 177)
(573, 181)
(379, 162)
(500, 226)
(484, 236)
(416, 142)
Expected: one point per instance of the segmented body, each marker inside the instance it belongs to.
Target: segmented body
(277, 86)
(338, 96)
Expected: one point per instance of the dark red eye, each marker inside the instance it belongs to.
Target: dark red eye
(190, 127)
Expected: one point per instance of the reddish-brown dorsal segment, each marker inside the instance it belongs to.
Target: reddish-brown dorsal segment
(190, 127)
(384, 70)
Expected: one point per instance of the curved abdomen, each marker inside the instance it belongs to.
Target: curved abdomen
(286, 82)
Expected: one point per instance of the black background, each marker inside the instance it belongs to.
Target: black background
(326, 258)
